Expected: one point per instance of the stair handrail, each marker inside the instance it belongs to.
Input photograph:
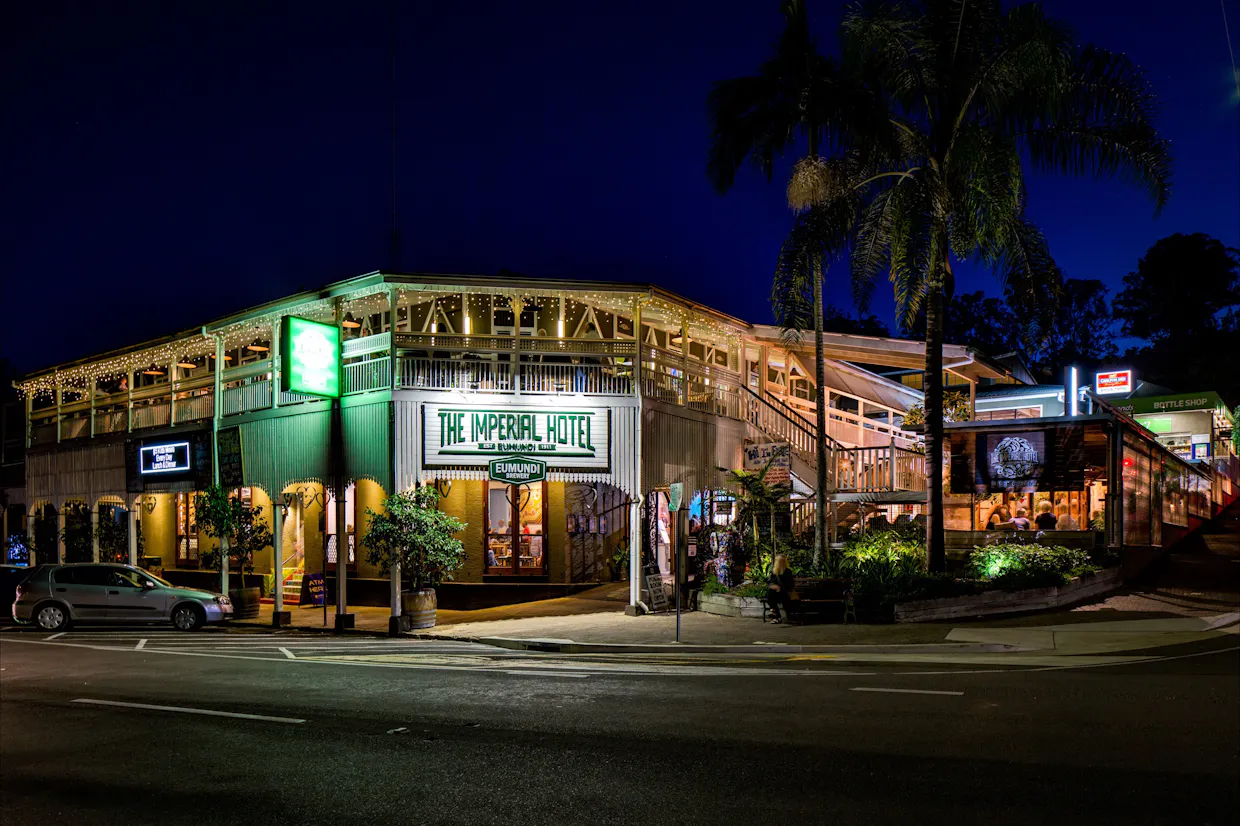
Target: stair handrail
(792, 417)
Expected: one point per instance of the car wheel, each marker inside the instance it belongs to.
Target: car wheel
(187, 617)
(51, 616)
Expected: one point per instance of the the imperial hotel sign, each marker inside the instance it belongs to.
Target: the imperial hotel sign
(576, 437)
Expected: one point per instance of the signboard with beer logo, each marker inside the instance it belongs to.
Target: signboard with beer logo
(310, 357)
(1113, 383)
(576, 437)
(517, 470)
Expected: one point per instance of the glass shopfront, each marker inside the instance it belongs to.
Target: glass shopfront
(187, 531)
(516, 519)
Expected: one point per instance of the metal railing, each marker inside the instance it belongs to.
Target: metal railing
(598, 379)
(368, 375)
(878, 469)
(255, 395)
(456, 374)
(150, 414)
(781, 425)
(193, 408)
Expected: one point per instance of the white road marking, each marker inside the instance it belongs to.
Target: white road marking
(537, 673)
(141, 644)
(54, 636)
(397, 730)
(1142, 660)
(909, 691)
(287, 653)
(205, 711)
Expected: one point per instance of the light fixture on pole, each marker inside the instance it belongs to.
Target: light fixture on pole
(1074, 406)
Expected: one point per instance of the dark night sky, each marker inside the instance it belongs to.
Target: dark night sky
(165, 164)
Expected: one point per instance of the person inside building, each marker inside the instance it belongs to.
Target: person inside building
(1045, 519)
(779, 587)
(1021, 521)
(1000, 519)
(1065, 522)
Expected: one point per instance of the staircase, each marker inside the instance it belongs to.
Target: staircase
(884, 473)
(292, 587)
(777, 422)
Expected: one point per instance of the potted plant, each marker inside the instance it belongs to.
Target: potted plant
(241, 532)
(413, 533)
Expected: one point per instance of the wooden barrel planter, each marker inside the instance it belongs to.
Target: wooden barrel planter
(418, 609)
(245, 602)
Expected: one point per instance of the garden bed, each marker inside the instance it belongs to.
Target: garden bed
(994, 602)
(729, 605)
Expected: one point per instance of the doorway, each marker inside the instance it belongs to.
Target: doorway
(516, 519)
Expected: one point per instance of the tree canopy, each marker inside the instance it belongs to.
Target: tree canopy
(1183, 301)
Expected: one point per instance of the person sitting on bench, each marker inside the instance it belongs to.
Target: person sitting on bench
(779, 587)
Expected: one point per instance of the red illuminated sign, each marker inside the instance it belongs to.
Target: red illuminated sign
(1117, 381)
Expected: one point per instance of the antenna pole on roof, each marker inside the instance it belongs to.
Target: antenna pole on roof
(394, 250)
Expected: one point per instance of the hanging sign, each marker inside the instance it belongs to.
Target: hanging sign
(472, 435)
(1113, 383)
(675, 496)
(310, 357)
(517, 470)
(169, 457)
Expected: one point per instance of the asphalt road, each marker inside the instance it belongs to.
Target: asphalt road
(376, 731)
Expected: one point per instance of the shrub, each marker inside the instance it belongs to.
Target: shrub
(1012, 567)
(411, 531)
(712, 585)
(884, 566)
(757, 590)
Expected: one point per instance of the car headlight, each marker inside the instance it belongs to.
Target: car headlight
(222, 600)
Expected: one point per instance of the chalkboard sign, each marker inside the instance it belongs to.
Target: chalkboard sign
(313, 590)
(658, 598)
(232, 465)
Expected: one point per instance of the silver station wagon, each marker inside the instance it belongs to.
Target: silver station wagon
(54, 596)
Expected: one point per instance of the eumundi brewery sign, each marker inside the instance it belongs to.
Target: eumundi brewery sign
(574, 437)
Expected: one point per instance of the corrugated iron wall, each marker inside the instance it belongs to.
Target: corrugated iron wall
(286, 449)
(81, 474)
(681, 445)
(368, 442)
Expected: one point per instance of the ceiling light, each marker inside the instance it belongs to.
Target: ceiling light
(187, 365)
(350, 322)
(257, 348)
(153, 372)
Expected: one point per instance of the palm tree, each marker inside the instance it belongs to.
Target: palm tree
(975, 93)
(797, 93)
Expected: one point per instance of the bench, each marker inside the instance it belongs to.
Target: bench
(814, 595)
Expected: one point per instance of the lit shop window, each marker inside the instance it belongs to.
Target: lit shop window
(515, 521)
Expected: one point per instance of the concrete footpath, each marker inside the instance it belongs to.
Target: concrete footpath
(574, 625)
(1192, 596)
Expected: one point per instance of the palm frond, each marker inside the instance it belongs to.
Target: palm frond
(1103, 123)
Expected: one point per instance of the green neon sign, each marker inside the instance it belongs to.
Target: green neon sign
(310, 357)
